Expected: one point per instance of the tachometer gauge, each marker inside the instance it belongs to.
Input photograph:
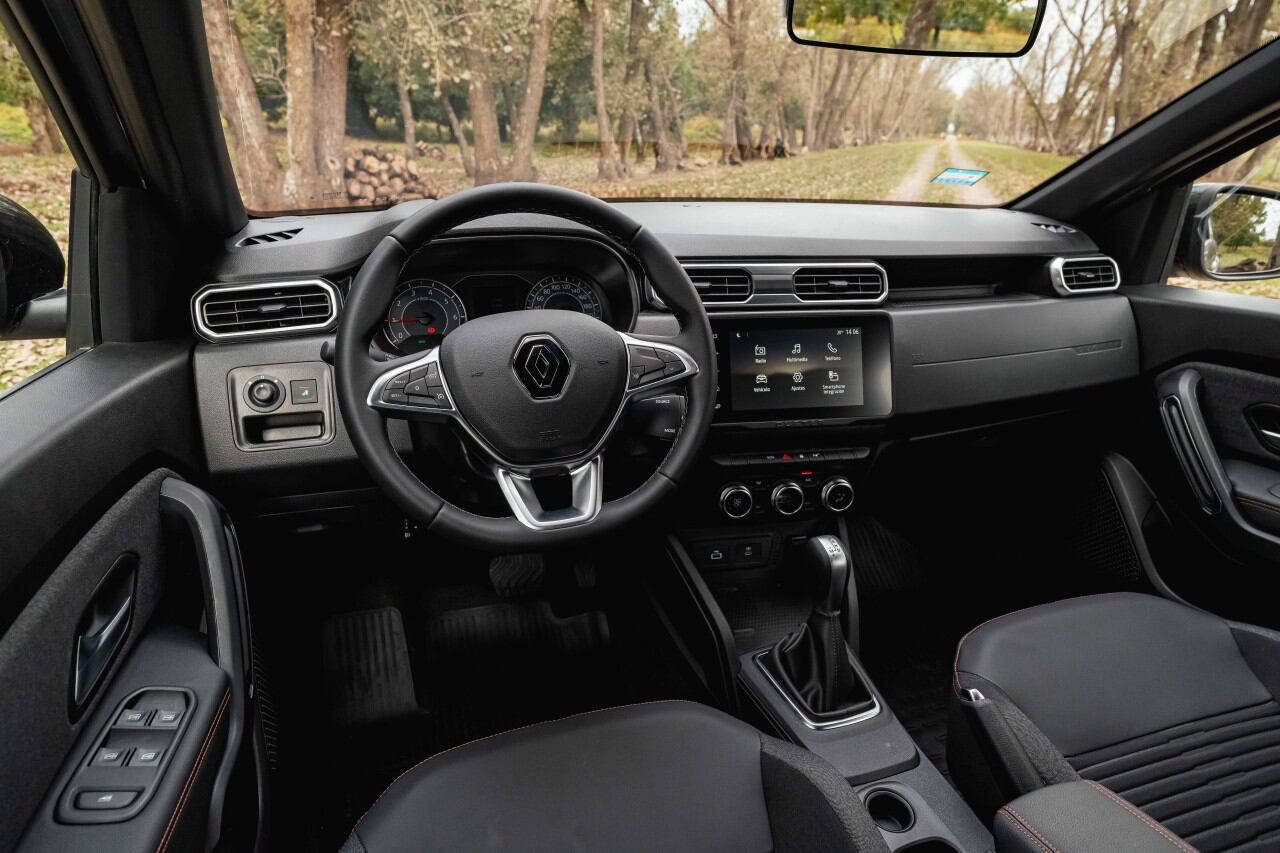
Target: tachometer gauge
(565, 293)
(421, 314)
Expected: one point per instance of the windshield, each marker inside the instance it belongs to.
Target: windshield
(349, 103)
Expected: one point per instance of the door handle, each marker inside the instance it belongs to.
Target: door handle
(103, 628)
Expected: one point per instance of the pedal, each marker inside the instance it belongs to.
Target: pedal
(517, 575)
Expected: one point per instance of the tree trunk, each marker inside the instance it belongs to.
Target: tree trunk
(406, 112)
(45, 138)
(455, 126)
(544, 13)
(915, 30)
(256, 166)
(630, 124)
(484, 107)
(301, 177)
(607, 167)
(333, 50)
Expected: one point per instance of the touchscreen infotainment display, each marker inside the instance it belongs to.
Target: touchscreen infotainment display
(796, 368)
(827, 369)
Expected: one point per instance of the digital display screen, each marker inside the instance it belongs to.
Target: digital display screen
(796, 368)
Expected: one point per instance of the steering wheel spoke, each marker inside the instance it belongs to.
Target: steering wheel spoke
(412, 390)
(654, 362)
(586, 489)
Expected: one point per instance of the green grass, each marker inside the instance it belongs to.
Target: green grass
(13, 125)
(1013, 170)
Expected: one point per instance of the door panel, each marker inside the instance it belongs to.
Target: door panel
(119, 587)
(37, 653)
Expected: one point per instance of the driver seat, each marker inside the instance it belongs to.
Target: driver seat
(669, 776)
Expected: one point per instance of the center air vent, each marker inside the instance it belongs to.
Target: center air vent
(271, 237)
(851, 283)
(1075, 276)
(230, 311)
(720, 284)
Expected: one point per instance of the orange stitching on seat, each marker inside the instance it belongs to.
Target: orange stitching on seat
(1017, 824)
(195, 770)
(1142, 816)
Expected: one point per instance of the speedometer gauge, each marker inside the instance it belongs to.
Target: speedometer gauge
(565, 293)
(421, 314)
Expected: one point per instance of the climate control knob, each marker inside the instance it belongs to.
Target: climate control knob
(736, 500)
(787, 498)
(837, 494)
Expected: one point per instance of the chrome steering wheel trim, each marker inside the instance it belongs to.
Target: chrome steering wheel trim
(515, 479)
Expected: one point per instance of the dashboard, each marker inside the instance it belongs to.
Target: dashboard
(460, 279)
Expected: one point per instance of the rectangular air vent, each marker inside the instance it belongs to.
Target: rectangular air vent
(849, 283)
(227, 311)
(1074, 276)
(718, 285)
(272, 237)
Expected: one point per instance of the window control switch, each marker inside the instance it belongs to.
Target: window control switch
(166, 719)
(146, 756)
(108, 756)
(103, 800)
(133, 718)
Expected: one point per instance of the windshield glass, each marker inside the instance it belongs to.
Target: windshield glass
(349, 103)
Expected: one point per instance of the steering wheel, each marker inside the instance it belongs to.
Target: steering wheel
(538, 392)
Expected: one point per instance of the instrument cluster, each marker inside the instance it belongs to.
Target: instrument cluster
(424, 310)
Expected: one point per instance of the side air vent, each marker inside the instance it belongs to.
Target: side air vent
(224, 312)
(719, 285)
(1078, 276)
(273, 237)
(1054, 227)
(852, 283)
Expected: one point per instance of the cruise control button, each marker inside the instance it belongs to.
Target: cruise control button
(666, 355)
(397, 397)
(417, 373)
(398, 382)
(417, 388)
(433, 374)
(101, 800)
(437, 399)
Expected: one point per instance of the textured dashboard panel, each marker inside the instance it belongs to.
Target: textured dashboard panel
(967, 354)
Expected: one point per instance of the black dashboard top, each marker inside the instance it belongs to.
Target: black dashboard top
(327, 243)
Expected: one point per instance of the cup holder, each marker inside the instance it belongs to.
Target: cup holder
(890, 811)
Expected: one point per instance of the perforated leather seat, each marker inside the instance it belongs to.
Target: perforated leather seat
(1172, 708)
(669, 776)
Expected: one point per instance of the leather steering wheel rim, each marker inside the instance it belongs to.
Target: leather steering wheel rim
(356, 371)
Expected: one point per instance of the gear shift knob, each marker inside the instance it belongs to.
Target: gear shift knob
(827, 566)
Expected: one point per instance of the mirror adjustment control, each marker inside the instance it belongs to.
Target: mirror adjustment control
(736, 500)
(837, 494)
(787, 498)
(264, 393)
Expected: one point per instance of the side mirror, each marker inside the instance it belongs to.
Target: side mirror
(31, 264)
(1231, 233)
(920, 27)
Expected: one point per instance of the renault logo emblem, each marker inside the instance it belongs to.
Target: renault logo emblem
(542, 367)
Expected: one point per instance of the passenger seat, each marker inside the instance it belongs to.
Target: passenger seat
(1170, 707)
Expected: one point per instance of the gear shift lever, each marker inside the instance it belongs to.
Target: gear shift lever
(812, 664)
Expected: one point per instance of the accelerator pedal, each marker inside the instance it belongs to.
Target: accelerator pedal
(517, 575)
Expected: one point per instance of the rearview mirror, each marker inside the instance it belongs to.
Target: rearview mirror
(1232, 233)
(921, 27)
(31, 264)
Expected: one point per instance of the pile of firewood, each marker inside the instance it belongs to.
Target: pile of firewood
(435, 152)
(376, 174)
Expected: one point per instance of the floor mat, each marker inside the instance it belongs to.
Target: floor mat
(367, 675)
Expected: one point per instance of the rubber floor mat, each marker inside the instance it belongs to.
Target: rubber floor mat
(367, 676)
